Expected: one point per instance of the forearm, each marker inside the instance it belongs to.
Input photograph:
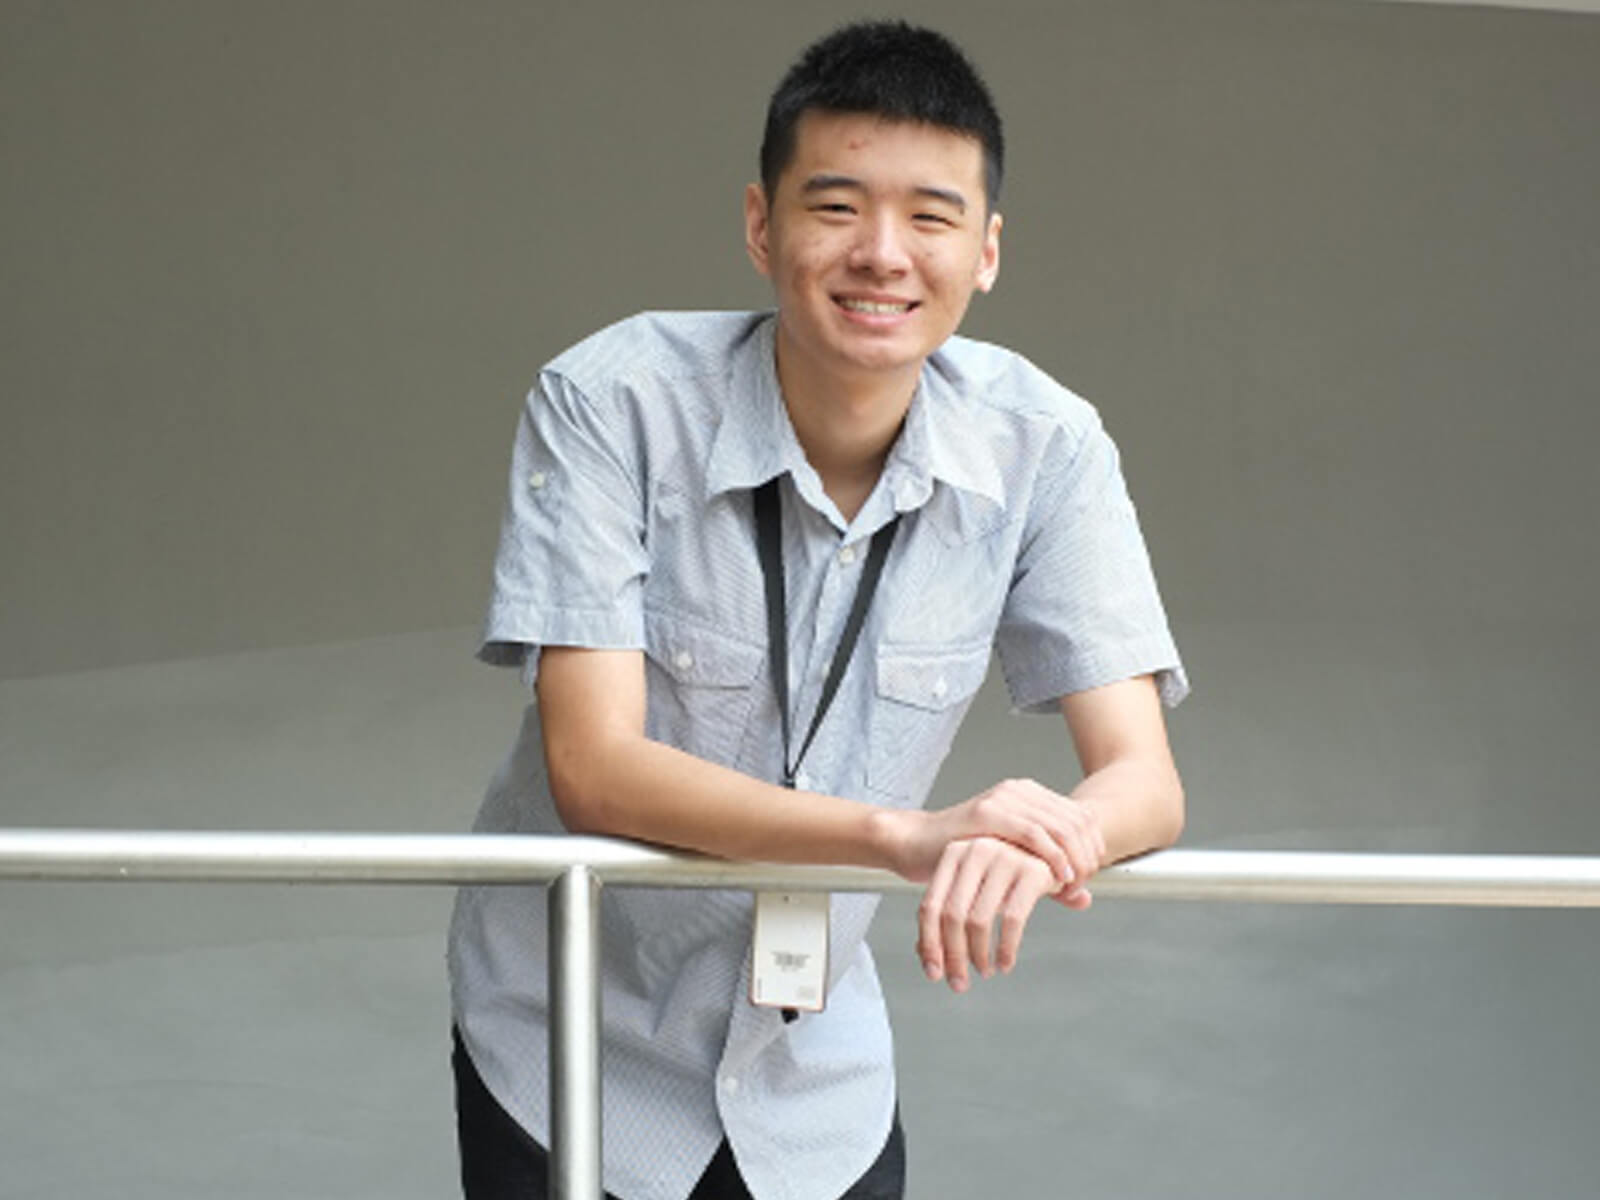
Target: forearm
(625, 785)
(1137, 802)
(607, 777)
(1130, 784)
(630, 786)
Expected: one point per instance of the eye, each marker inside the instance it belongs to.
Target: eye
(833, 208)
(932, 218)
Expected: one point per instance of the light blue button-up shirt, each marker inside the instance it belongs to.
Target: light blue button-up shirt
(629, 526)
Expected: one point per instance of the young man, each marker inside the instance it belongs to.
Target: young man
(914, 501)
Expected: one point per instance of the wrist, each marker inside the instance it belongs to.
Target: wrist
(1096, 823)
(889, 837)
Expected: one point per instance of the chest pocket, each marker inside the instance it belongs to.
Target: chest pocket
(700, 686)
(922, 693)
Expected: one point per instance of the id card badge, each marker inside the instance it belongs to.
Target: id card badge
(789, 950)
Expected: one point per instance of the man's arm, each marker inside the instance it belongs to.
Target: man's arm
(1129, 801)
(607, 777)
(1130, 782)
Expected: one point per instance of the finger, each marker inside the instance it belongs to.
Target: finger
(1084, 856)
(998, 880)
(953, 926)
(930, 944)
(1069, 824)
(1075, 898)
(1092, 829)
(1081, 829)
(1084, 840)
(1020, 900)
(1018, 811)
(1040, 841)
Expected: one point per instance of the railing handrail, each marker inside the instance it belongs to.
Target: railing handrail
(575, 868)
(1272, 876)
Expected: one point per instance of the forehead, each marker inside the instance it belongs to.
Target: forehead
(883, 153)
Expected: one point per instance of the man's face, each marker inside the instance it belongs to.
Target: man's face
(875, 239)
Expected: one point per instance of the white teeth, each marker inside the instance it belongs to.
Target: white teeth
(873, 306)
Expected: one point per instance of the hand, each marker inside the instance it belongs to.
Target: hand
(977, 880)
(1064, 834)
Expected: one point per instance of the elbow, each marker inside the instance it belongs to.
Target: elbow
(578, 814)
(573, 806)
(579, 790)
(1162, 813)
(1174, 809)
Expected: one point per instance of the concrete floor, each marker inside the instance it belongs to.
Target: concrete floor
(189, 1041)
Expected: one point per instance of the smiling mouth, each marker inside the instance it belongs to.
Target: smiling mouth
(877, 308)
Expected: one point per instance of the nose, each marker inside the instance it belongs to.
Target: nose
(880, 247)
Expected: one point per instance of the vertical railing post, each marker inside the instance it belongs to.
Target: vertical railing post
(575, 1036)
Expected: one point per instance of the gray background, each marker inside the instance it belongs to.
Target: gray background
(277, 276)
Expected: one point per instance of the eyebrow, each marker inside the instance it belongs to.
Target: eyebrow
(824, 183)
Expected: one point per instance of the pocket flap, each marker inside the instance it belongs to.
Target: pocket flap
(699, 657)
(931, 677)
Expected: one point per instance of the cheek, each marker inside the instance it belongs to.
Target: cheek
(808, 254)
(958, 272)
(801, 270)
(811, 251)
(943, 275)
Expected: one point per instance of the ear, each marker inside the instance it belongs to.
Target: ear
(989, 256)
(757, 224)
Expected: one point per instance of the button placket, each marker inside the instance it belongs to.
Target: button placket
(822, 631)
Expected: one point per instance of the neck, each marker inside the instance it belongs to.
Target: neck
(845, 425)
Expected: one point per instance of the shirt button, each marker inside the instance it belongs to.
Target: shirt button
(731, 1086)
(940, 688)
(683, 660)
(537, 480)
(802, 781)
(847, 555)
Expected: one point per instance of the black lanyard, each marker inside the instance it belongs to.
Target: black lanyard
(769, 543)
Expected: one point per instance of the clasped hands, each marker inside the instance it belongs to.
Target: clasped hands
(993, 858)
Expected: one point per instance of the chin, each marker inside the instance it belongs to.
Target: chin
(884, 363)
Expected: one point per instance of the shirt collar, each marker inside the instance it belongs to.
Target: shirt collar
(755, 441)
(938, 442)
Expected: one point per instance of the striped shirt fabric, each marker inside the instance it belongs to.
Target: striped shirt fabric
(629, 526)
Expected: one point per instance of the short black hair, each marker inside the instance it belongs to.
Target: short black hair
(892, 69)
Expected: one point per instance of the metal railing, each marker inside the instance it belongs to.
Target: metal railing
(575, 868)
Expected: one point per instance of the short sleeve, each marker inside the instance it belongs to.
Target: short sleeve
(1083, 609)
(571, 562)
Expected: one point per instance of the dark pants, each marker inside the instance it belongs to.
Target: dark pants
(500, 1161)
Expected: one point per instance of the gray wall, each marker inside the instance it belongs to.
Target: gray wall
(277, 277)
(278, 274)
